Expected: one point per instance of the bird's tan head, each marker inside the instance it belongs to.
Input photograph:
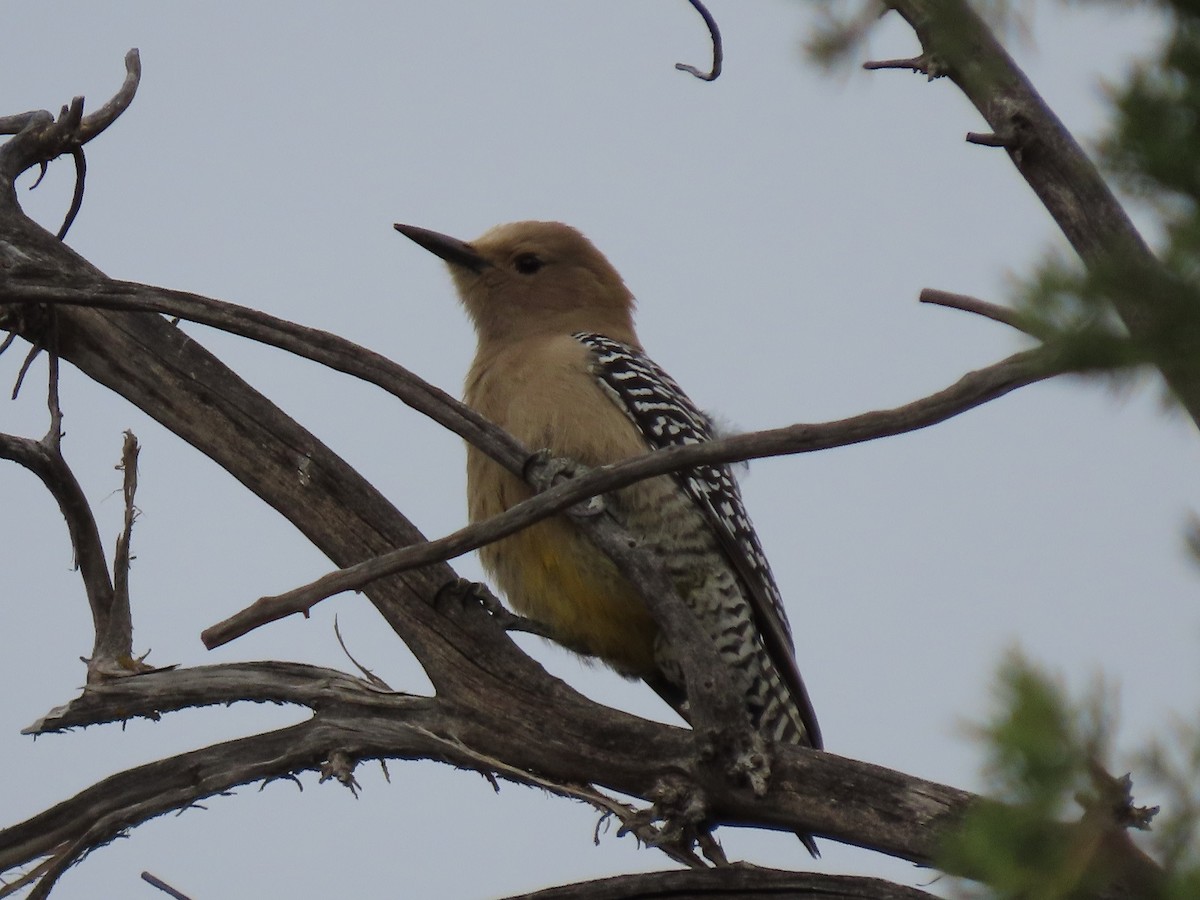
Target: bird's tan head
(533, 278)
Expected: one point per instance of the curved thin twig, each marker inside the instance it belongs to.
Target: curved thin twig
(311, 343)
(43, 459)
(967, 303)
(96, 122)
(345, 356)
(39, 137)
(718, 50)
(77, 196)
(968, 392)
(1049, 158)
(912, 63)
(24, 370)
(164, 887)
(731, 881)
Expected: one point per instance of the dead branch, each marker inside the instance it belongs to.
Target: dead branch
(736, 881)
(153, 364)
(978, 307)
(968, 392)
(39, 137)
(717, 718)
(536, 732)
(714, 34)
(310, 343)
(618, 751)
(122, 557)
(1054, 165)
(49, 466)
(112, 650)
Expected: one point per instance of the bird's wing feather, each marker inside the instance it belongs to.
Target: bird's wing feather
(665, 415)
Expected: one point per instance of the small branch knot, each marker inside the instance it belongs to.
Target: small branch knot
(340, 766)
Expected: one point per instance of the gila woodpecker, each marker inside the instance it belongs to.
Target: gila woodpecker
(559, 366)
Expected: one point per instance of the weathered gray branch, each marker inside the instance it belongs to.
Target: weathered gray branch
(731, 882)
(973, 389)
(958, 44)
(530, 732)
(113, 628)
(968, 392)
(554, 740)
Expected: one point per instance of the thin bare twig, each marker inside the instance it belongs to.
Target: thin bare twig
(990, 139)
(914, 63)
(967, 303)
(77, 196)
(718, 50)
(39, 137)
(24, 370)
(366, 673)
(164, 887)
(636, 822)
(1066, 182)
(969, 391)
(320, 346)
(53, 437)
(116, 642)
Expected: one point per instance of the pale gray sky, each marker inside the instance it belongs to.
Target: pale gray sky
(776, 226)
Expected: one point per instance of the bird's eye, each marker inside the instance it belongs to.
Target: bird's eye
(528, 263)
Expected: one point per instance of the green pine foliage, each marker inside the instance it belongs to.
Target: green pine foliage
(1039, 751)
(1055, 817)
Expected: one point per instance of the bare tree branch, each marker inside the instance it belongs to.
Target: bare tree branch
(112, 650)
(1054, 165)
(122, 557)
(77, 196)
(320, 346)
(966, 303)
(618, 751)
(546, 743)
(717, 715)
(736, 881)
(968, 392)
(144, 358)
(40, 137)
(718, 51)
(164, 887)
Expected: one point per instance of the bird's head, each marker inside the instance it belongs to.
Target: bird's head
(529, 278)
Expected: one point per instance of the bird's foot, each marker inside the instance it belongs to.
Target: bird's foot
(544, 470)
(681, 822)
(464, 593)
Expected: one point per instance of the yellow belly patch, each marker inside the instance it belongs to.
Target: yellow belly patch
(553, 575)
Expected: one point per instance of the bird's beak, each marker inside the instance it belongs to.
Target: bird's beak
(452, 250)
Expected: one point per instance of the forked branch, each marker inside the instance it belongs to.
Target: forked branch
(1050, 159)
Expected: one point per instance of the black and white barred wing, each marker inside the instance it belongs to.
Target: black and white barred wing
(666, 417)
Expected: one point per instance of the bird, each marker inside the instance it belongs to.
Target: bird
(559, 365)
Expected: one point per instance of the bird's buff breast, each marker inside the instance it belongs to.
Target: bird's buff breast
(553, 575)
